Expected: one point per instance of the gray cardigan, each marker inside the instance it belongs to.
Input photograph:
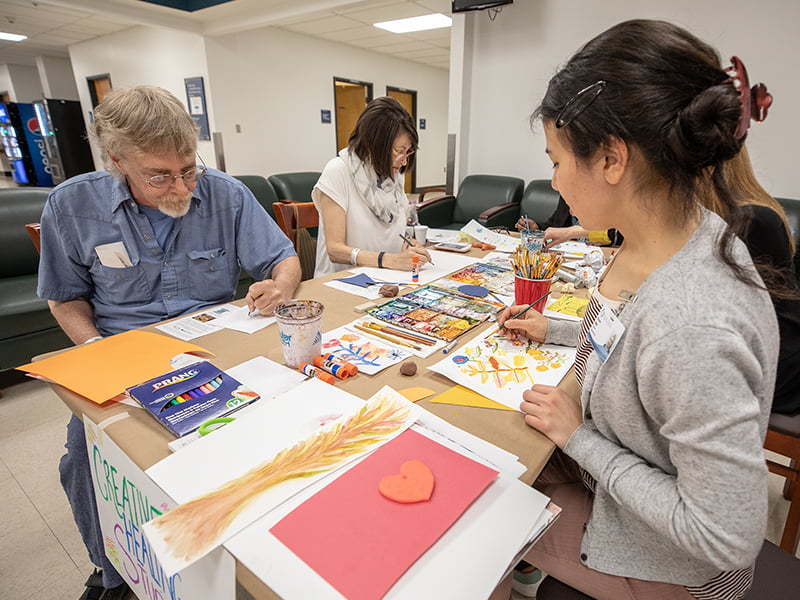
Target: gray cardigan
(674, 421)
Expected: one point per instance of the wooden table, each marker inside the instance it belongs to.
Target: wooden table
(145, 441)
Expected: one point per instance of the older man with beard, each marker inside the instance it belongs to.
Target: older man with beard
(152, 237)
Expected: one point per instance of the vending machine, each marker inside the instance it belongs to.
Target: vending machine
(64, 134)
(23, 144)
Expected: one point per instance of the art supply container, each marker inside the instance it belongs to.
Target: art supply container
(531, 290)
(532, 239)
(300, 330)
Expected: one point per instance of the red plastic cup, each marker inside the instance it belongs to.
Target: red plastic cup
(527, 291)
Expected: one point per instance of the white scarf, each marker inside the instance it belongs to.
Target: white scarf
(386, 199)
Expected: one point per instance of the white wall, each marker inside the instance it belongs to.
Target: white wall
(143, 55)
(273, 83)
(56, 77)
(21, 82)
(515, 55)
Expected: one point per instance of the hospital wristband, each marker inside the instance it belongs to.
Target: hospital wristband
(354, 256)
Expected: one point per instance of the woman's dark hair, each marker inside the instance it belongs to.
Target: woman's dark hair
(665, 94)
(377, 127)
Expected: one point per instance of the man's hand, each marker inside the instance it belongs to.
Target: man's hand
(264, 296)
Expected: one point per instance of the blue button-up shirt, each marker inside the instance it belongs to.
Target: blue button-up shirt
(225, 230)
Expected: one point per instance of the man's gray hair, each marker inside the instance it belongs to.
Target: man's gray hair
(146, 119)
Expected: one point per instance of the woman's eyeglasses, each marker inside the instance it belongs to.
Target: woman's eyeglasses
(404, 153)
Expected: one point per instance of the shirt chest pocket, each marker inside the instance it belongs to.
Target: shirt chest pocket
(126, 285)
(209, 274)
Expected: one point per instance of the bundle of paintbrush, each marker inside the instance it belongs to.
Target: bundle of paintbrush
(535, 264)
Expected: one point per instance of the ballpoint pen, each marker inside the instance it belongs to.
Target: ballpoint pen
(411, 242)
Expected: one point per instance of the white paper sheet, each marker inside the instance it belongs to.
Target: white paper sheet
(503, 243)
(239, 319)
(444, 263)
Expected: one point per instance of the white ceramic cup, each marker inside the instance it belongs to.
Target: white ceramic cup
(421, 233)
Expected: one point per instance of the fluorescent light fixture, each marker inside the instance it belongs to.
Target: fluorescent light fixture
(434, 21)
(12, 37)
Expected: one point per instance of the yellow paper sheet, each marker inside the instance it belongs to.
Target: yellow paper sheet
(105, 368)
(415, 394)
(458, 394)
(570, 305)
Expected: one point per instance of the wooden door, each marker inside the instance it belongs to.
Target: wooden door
(350, 98)
(99, 86)
(408, 98)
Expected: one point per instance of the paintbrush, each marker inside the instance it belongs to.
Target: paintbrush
(524, 310)
(411, 242)
(399, 333)
(386, 337)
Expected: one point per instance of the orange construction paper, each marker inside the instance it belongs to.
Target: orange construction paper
(415, 394)
(414, 483)
(361, 542)
(106, 368)
(458, 394)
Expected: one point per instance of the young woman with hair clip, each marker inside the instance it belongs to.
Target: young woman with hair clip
(679, 346)
(360, 195)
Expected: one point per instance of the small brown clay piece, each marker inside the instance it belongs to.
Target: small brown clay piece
(388, 290)
(408, 368)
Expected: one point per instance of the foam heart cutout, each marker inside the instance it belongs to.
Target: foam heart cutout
(413, 484)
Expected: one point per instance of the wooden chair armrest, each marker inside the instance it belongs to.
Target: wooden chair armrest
(431, 190)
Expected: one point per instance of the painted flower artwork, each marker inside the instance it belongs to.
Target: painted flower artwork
(501, 368)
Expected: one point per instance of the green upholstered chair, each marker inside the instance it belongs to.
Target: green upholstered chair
(294, 187)
(491, 200)
(262, 190)
(539, 200)
(27, 328)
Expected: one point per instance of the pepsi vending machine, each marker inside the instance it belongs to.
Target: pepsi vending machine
(64, 135)
(23, 144)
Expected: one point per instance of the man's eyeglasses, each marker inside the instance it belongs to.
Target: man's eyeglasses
(189, 176)
(404, 153)
(579, 103)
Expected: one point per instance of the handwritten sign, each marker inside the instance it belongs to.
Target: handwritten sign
(126, 499)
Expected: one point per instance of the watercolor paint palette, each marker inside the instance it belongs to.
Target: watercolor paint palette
(435, 311)
(493, 277)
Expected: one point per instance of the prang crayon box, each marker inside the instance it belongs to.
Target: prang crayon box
(184, 399)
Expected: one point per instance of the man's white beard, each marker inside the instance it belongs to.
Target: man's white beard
(175, 206)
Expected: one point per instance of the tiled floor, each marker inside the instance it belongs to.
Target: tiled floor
(41, 554)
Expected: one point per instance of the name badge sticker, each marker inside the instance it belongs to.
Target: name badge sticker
(605, 333)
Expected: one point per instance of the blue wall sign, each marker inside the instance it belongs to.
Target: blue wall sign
(196, 100)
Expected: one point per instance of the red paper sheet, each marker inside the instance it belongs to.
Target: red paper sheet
(362, 543)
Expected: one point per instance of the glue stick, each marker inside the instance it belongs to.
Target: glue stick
(311, 371)
(349, 367)
(415, 268)
(333, 367)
